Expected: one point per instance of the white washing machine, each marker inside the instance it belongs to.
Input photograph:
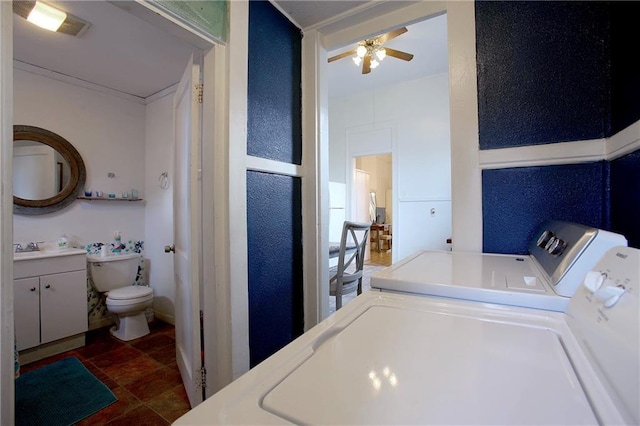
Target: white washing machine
(560, 255)
(400, 359)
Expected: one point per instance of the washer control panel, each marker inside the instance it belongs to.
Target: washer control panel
(605, 315)
(567, 251)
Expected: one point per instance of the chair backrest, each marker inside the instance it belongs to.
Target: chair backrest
(353, 244)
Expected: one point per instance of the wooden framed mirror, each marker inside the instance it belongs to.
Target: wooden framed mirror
(48, 172)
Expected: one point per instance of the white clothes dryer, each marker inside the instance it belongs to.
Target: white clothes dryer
(560, 255)
(400, 359)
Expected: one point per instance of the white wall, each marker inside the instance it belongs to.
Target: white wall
(159, 204)
(108, 132)
(417, 114)
(112, 135)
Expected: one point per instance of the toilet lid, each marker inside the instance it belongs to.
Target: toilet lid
(130, 292)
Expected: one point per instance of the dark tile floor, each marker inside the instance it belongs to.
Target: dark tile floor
(142, 373)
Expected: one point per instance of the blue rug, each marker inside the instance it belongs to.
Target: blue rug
(62, 393)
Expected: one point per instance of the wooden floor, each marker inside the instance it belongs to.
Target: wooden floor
(380, 258)
(142, 374)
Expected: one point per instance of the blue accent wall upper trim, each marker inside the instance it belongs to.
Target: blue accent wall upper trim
(543, 72)
(274, 262)
(516, 201)
(625, 197)
(274, 104)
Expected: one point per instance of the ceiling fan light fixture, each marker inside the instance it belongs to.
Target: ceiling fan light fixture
(370, 53)
(47, 17)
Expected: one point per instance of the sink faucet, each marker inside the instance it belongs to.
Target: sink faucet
(33, 246)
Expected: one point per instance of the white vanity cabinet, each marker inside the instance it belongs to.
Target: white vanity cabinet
(50, 302)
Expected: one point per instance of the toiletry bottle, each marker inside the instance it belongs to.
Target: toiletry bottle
(63, 242)
(118, 242)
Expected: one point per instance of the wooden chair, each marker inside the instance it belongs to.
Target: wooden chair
(341, 282)
(386, 237)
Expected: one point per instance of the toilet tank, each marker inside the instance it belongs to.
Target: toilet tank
(113, 272)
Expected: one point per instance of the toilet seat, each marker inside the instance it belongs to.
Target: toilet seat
(128, 295)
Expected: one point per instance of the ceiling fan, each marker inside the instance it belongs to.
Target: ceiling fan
(370, 51)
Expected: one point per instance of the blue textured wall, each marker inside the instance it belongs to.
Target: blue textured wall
(515, 201)
(552, 72)
(275, 262)
(625, 73)
(543, 72)
(274, 208)
(274, 93)
(625, 197)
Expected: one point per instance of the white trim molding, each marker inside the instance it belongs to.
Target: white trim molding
(622, 143)
(33, 69)
(259, 164)
(543, 155)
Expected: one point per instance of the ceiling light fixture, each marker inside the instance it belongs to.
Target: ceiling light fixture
(47, 17)
(370, 52)
(371, 49)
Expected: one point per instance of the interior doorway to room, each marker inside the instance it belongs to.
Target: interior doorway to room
(373, 202)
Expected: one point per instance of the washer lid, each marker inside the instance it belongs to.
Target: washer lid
(491, 278)
(394, 366)
(130, 292)
(398, 359)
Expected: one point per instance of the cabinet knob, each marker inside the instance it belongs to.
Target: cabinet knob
(32, 289)
(47, 286)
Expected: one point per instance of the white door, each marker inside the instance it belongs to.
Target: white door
(186, 211)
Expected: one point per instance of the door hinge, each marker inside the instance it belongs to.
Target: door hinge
(200, 378)
(199, 88)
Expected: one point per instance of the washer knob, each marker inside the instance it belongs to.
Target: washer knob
(610, 295)
(594, 280)
(544, 238)
(556, 246)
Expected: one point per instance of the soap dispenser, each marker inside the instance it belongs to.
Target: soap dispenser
(63, 242)
(117, 245)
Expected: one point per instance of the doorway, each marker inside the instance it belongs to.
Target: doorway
(120, 120)
(408, 118)
(378, 199)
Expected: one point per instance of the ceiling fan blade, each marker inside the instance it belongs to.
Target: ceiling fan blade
(398, 54)
(342, 55)
(366, 65)
(391, 35)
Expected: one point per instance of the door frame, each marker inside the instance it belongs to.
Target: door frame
(388, 130)
(465, 170)
(215, 137)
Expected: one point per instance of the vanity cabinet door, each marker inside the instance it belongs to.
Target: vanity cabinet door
(26, 305)
(63, 305)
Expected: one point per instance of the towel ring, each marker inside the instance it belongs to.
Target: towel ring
(164, 180)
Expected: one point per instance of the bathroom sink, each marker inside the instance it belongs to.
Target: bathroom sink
(47, 252)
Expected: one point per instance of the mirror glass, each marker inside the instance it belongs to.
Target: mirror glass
(39, 171)
(48, 171)
(372, 206)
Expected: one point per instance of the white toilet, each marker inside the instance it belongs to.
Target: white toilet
(114, 276)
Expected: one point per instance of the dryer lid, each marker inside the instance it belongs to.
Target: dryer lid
(130, 292)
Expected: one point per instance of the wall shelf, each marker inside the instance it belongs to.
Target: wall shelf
(108, 199)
